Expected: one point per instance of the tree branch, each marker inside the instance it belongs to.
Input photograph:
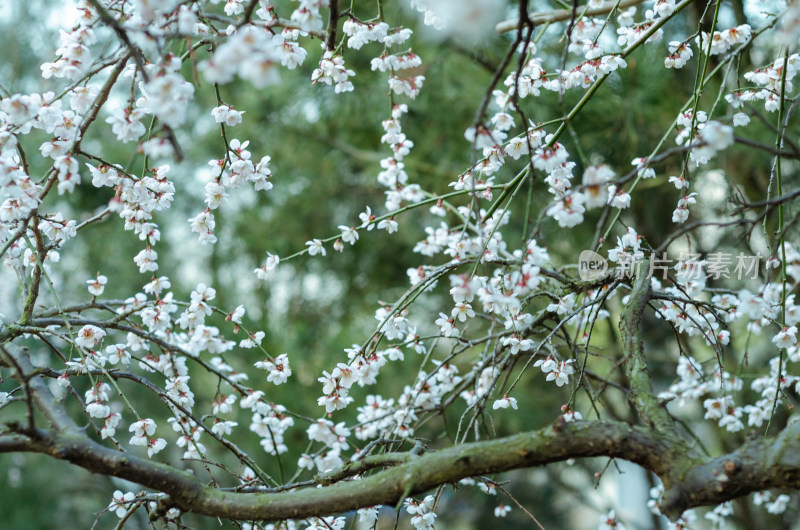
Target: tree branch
(14, 443)
(107, 18)
(40, 393)
(642, 397)
(759, 464)
(419, 474)
(559, 15)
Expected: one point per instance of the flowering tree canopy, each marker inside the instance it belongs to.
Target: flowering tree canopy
(553, 309)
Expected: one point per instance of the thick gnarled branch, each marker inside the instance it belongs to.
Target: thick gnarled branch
(758, 464)
(416, 475)
(643, 399)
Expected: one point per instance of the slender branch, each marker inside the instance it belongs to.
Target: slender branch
(40, 393)
(100, 100)
(107, 18)
(767, 148)
(248, 11)
(559, 15)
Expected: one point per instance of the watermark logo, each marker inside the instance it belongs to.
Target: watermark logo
(687, 267)
(591, 266)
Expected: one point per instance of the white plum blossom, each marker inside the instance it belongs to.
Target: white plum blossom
(126, 125)
(166, 96)
(142, 430)
(121, 503)
(270, 265)
(278, 368)
(89, 336)
(609, 521)
(332, 71)
(502, 510)
(504, 403)
(146, 260)
(315, 247)
(740, 119)
(227, 114)
(786, 337)
(422, 513)
(97, 285)
(349, 234)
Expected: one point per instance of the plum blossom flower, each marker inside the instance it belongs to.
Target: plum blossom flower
(446, 326)
(227, 114)
(504, 403)
(462, 311)
(679, 182)
(167, 96)
(253, 340)
(409, 86)
(224, 404)
(390, 225)
(422, 512)
(594, 179)
(609, 521)
(618, 198)
(89, 336)
(515, 344)
(361, 34)
(110, 425)
(142, 428)
(367, 219)
(679, 55)
(223, 428)
(279, 371)
(146, 260)
(786, 337)
(717, 137)
(97, 409)
(517, 147)
(155, 445)
(126, 125)
(740, 119)
(236, 315)
(332, 71)
(121, 503)
(315, 247)
(558, 372)
(628, 248)
(779, 504)
(568, 210)
(502, 510)
(97, 285)
(487, 487)
(349, 234)
(269, 265)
